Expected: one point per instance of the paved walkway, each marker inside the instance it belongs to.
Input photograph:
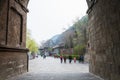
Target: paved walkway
(52, 69)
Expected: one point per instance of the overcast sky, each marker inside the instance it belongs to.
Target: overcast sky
(47, 18)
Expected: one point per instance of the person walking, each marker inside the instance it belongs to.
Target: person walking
(70, 58)
(44, 56)
(74, 59)
(61, 59)
(79, 58)
(64, 59)
(82, 59)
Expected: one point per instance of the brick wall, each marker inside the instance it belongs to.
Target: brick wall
(104, 35)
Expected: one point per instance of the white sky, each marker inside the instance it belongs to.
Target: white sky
(47, 18)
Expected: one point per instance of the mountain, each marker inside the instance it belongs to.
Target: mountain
(60, 38)
(75, 35)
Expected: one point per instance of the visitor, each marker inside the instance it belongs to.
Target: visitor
(79, 59)
(82, 59)
(44, 56)
(61, 59)
(70, 58)
(74, 59)
(64, 59)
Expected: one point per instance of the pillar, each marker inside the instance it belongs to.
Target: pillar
(13, 52)
(104, 37)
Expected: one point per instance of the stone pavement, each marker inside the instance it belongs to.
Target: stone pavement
(52, 69)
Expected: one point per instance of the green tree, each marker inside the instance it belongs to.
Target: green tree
(81, 38)
(81, 30)
(30, 43)
(79, 49)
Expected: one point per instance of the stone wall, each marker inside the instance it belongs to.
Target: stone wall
(12, 62)
(13, 23)
(104, 35)
(13, 54)
(3, 21)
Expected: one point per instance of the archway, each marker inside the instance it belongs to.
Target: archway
(104, 28)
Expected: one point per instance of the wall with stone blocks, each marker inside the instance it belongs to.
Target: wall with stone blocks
(12, 62)
(104, 35)
(13, 54)
(13, 15)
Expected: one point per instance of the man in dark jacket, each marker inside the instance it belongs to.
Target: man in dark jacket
(70, 58)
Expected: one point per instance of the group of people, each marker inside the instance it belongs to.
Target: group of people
(63, 58)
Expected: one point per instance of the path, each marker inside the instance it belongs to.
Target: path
(52, 69)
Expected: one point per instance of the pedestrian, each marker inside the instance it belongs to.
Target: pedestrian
(82, 59)
(70, 58)
(79, 59)
(61, 59)
(74, 59)
(44, 56)
(64, 59)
